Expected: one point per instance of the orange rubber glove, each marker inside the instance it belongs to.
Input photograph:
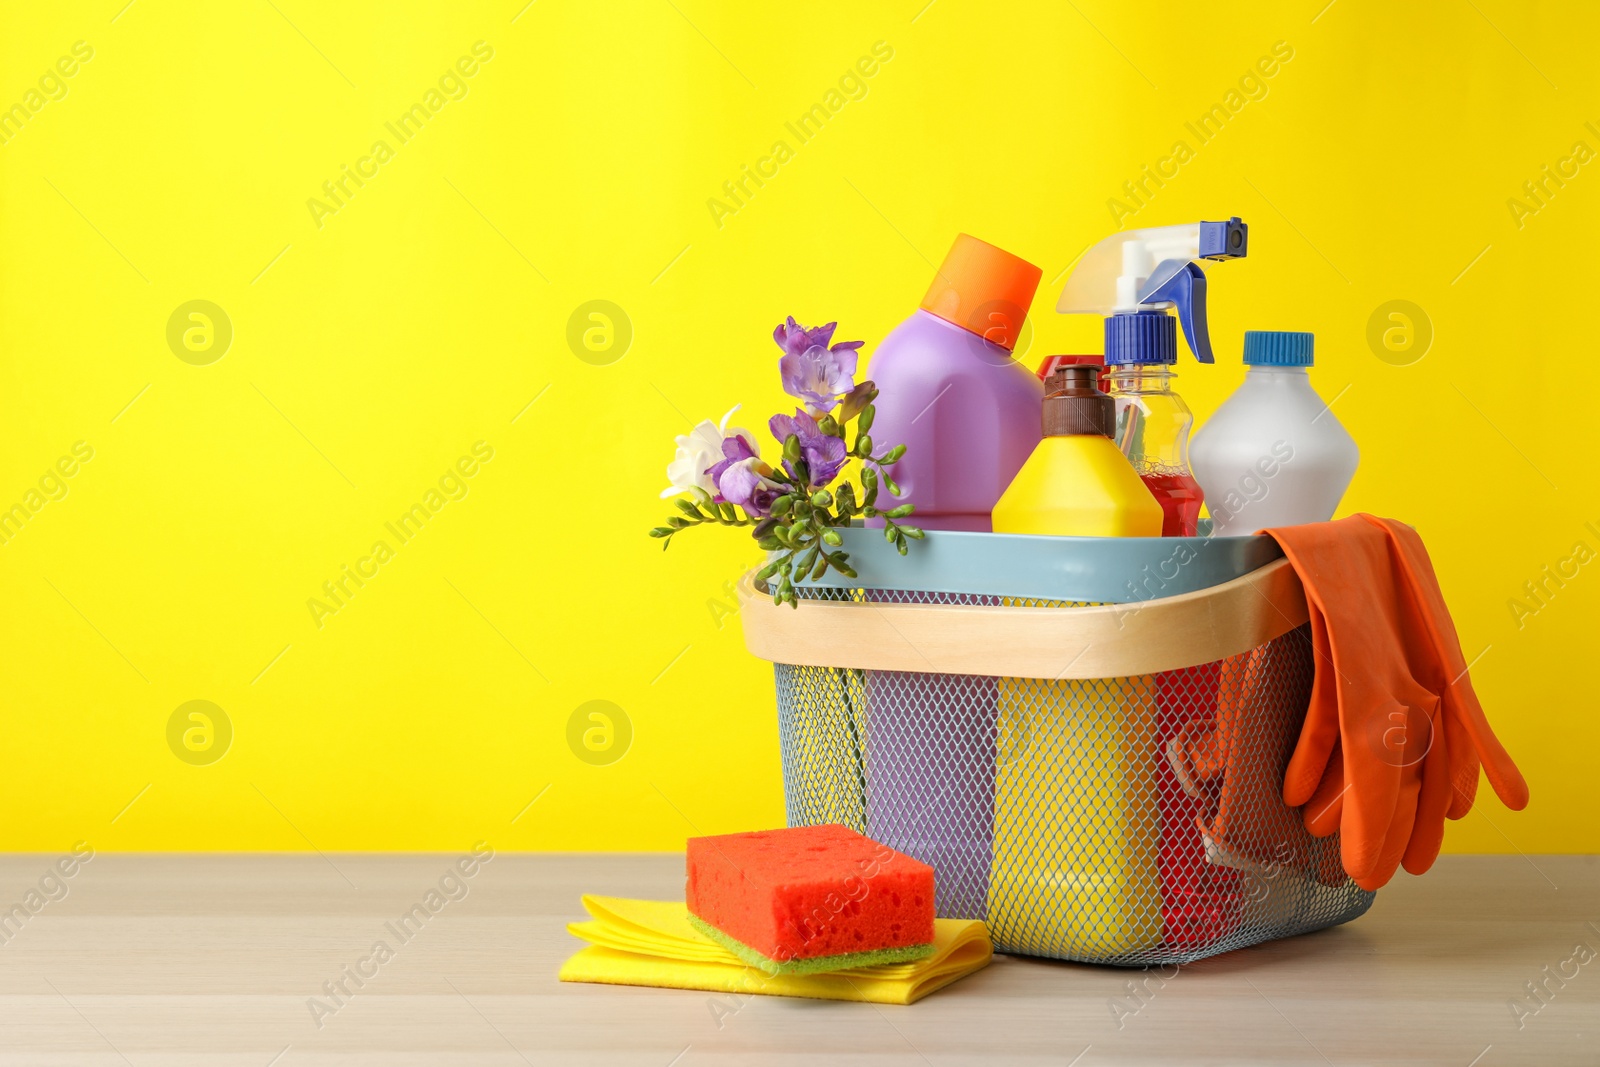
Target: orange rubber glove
(1394, 735)
(1231, 764)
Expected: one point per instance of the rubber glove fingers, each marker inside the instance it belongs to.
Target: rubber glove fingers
(1384, 743)
(1464, 715)
(1434, 801)
(1325, 807)
(1371, 863)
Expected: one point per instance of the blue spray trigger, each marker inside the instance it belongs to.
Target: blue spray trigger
(1182, 284)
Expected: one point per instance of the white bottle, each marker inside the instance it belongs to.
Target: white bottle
(1273, 454)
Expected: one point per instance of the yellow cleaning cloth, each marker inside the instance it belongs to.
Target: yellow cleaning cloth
(650, 943)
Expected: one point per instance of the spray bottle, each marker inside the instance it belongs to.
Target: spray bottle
(1132, 278)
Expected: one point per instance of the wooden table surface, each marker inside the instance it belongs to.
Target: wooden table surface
(214, 960)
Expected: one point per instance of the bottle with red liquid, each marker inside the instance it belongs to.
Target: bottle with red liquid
(1135, 278)
(1153, 425)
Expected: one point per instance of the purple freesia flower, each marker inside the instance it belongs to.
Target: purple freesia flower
(741, 479)
(743, 484)
(734, 450)
(814, 373)
(824, 455)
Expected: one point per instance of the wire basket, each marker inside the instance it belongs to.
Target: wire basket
(1099, 782)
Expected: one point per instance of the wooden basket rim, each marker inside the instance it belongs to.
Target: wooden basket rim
(1105, 641)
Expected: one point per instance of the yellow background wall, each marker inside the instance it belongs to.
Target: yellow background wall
(375, 345)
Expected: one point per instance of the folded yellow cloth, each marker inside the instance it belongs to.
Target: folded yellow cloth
(650, 943)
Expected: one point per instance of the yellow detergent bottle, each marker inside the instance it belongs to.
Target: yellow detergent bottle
(1077, 827)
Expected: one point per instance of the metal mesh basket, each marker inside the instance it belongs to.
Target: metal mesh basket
(1128, 818)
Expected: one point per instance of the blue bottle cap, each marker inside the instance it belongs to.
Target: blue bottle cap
(1277, 348)
(1141, 337)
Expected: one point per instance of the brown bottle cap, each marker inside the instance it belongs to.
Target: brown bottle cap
(1074, 404)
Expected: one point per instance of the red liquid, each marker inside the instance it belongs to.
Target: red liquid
(1179, 496)
(1201, 903)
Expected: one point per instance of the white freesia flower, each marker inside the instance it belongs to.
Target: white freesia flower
(699, 450)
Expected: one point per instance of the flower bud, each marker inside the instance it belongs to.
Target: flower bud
(895, 453)
(828, 425)
(832, 537)
(864, 445)
(902, 511)
(821, 498)
(791, 448)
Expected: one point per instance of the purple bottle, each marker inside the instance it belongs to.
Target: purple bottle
(950, 392)
(968, 415)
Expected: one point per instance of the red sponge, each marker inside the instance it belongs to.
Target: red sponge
(810, 899)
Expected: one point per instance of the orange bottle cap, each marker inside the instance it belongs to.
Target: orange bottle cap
(983, 289)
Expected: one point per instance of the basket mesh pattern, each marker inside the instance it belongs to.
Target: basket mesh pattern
(1127, 821)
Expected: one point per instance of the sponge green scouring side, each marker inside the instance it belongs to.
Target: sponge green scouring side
(815, 964)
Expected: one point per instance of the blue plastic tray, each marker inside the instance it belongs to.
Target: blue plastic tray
(1101, 570)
